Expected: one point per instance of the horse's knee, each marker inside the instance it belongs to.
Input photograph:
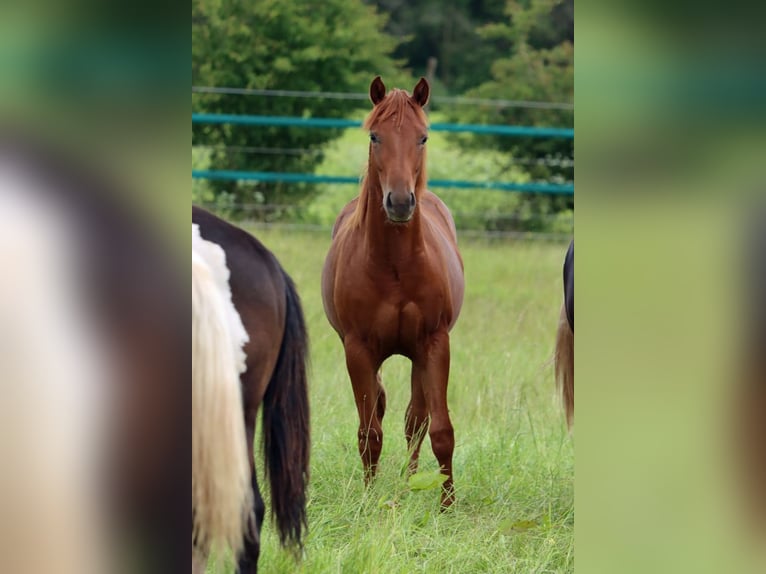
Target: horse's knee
(442, 443)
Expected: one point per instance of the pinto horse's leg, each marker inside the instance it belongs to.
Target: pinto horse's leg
(370, 403)
(416, 417)
(436, 361)
(248, 558)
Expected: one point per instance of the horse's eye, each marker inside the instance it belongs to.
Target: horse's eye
(374, 138)
(423, 140)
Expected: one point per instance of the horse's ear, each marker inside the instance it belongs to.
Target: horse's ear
(421, 92)
(377, 90)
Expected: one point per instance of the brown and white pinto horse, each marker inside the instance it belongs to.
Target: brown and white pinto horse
(273, 378)
(393, 281)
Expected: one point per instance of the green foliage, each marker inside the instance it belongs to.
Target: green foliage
(428, 480)
(445, 30)
(539, 68)
(333, 45)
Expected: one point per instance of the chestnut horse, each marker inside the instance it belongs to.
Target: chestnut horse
(393, 282)
(227, 506)
(564, 356)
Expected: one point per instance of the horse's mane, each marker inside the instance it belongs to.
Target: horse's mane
(394, 104)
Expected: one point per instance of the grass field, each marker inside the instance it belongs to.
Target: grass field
(514, 460)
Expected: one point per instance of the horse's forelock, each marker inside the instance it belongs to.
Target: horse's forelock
(394, 105)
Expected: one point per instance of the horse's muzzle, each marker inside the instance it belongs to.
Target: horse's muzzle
(399, 208)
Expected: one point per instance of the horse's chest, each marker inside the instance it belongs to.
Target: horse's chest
(395, 308)
(402, 319)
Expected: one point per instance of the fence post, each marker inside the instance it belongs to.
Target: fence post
(430, 75)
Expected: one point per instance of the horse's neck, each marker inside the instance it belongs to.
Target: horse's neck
(382, 238)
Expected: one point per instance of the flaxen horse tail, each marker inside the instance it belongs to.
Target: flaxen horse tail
(286, 440)
(222, 497)
(564, 364)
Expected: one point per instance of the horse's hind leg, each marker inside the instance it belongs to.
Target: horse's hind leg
(251, 549)
(248, 560)
(435, 361)
(416, 417)
(370, 403)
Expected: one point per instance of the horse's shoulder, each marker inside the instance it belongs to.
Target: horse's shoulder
(433, 198)
(441, 214)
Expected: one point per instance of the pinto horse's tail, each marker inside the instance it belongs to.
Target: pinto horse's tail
(564, 362)
(221, 492)
(286, 426)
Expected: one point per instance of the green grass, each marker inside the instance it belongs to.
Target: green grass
(513, 463)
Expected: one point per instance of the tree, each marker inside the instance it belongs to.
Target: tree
(333, 45)
(447, 31)
(539, 68)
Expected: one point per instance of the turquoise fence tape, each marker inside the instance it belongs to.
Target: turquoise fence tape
(290, 121)
(564, 189)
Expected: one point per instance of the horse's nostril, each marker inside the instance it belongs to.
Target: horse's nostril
(389, 204)
(412, 199)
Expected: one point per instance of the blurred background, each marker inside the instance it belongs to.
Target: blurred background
(493, 65)
(670, 116)
(93, 244)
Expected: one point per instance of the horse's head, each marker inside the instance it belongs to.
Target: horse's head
(398, 133)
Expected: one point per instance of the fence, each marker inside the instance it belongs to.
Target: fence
(286, 121)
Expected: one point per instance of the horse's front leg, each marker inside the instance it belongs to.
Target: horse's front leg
(370, 402)
(434, 360)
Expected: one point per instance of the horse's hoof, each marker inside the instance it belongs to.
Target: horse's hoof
(448, 499)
